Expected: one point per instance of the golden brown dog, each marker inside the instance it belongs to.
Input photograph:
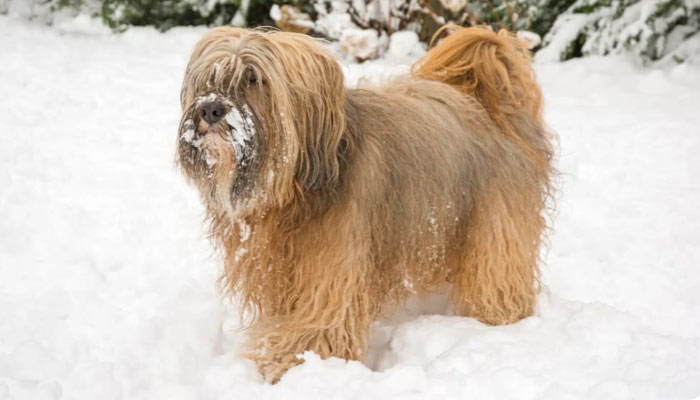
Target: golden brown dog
(329, 202)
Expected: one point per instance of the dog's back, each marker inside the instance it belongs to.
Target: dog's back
(453, 166)
(494, 69)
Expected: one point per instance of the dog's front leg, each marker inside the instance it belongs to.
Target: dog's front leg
(326, 308)
(277, 343)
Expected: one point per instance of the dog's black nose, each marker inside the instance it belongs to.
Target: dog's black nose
(212, 112)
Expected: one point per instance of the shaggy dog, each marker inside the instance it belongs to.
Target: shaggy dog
(328, 202)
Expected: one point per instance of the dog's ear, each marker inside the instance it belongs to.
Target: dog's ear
(311, 106)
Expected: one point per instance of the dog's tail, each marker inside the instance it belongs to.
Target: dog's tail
(495, 70)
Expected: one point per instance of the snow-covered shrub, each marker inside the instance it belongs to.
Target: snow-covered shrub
(162, 14)
(650, 29)
(424, 17)
(332, 18)
(536, 16)
(366, 29)
(47, 10)
(165, 14)
(383, 16)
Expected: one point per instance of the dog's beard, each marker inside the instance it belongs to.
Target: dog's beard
(219, 159)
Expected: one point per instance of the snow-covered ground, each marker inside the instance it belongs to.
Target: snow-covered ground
(107, 285)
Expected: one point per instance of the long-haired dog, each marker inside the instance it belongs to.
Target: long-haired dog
(329, 202)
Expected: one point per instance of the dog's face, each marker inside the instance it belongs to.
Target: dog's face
(263, 116)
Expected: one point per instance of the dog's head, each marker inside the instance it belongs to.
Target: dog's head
(263, 117)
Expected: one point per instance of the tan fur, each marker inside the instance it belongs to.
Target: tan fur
(355, 197)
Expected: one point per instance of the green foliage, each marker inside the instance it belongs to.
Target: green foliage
(533, 15)
(164, 14)
(75, 4)
(543, 13)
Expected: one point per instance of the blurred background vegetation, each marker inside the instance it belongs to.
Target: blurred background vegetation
(651, 30)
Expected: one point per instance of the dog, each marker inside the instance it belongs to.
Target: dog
(328, 202)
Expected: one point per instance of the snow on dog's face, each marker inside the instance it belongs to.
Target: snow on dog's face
(263, 117)
(218, 146)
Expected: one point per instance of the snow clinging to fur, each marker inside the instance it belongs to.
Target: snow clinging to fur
(242, 128)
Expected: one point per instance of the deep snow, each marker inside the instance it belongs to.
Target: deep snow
(107, 284)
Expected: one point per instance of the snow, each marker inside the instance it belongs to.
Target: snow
(244, 231)
(242, 129)
(453, 5)
(333, 22)
(108, 285)
(188, 134)
(688, 51)
(361, 44)
(275, 12)
(531, 38)
(239, 19)
(405, 44)
(564, 31)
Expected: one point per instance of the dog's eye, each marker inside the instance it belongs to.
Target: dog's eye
(254, 80)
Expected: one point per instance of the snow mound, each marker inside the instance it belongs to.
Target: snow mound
(404, 44)
(361, 44)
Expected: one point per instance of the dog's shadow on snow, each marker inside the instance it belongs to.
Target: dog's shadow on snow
(382, 351)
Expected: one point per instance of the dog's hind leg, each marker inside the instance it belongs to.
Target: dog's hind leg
(494, 270)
